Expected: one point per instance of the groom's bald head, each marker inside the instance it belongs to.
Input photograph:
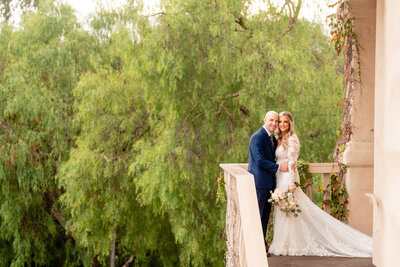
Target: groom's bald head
(271, 121)
(269, 113)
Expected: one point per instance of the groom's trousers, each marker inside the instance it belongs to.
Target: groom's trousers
(263, 194)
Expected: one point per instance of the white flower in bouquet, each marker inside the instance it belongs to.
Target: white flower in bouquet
(285, 200)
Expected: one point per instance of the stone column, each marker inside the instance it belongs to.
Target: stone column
(387, 135)
(359, 154)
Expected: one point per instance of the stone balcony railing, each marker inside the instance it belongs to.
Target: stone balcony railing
(326, 169)
(245, 244)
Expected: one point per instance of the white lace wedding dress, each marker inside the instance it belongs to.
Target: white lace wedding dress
(313, 232)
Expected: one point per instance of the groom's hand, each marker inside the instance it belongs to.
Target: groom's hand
(283, 167)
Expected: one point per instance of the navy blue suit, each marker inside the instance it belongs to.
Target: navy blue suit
(262, 165)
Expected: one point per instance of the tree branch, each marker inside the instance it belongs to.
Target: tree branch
(231, 95)
(293, 16)
(112, 256)
(219, 108)
(155, 14)
(188, 115)
(130, 259)
(56, 215)
(227, 112)
(241, 23)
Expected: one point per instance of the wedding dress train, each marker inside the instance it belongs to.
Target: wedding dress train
(313, 232)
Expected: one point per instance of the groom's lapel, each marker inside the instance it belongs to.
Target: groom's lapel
(270, 146)
(275, 146)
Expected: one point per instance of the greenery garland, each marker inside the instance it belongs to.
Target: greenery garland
(338, 192)
(305, 176)
(339, 197)
(221, 196)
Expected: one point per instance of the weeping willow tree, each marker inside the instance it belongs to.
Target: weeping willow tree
(112, 138)
(39, 66)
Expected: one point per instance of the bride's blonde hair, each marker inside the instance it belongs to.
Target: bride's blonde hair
(290, 131)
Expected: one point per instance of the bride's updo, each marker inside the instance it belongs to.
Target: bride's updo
(290, 131)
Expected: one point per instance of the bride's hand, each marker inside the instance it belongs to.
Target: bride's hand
(283, 167)
(292, 188)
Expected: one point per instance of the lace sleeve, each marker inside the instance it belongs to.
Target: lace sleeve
(293, 154)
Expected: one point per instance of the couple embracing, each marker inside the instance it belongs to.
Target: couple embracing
(272, 161)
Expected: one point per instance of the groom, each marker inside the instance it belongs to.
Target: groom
(263, 166)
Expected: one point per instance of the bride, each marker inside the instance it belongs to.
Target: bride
(313, 232)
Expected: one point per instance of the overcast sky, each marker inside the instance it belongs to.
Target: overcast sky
(315, 10)
(85, 7)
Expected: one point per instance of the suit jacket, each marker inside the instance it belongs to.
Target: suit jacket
(262, 162)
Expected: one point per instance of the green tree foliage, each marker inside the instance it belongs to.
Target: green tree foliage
(118, 132)
(40, 65)
(100, 195)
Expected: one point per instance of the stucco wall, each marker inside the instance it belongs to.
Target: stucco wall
(359, 155)
(387, 135)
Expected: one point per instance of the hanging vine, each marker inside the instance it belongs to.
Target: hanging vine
(346, 42)
(342, 24)
(338, 192)
(305, 176)
(221, 195)
(339, 196)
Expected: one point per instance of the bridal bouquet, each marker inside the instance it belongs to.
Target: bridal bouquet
(286, 201)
